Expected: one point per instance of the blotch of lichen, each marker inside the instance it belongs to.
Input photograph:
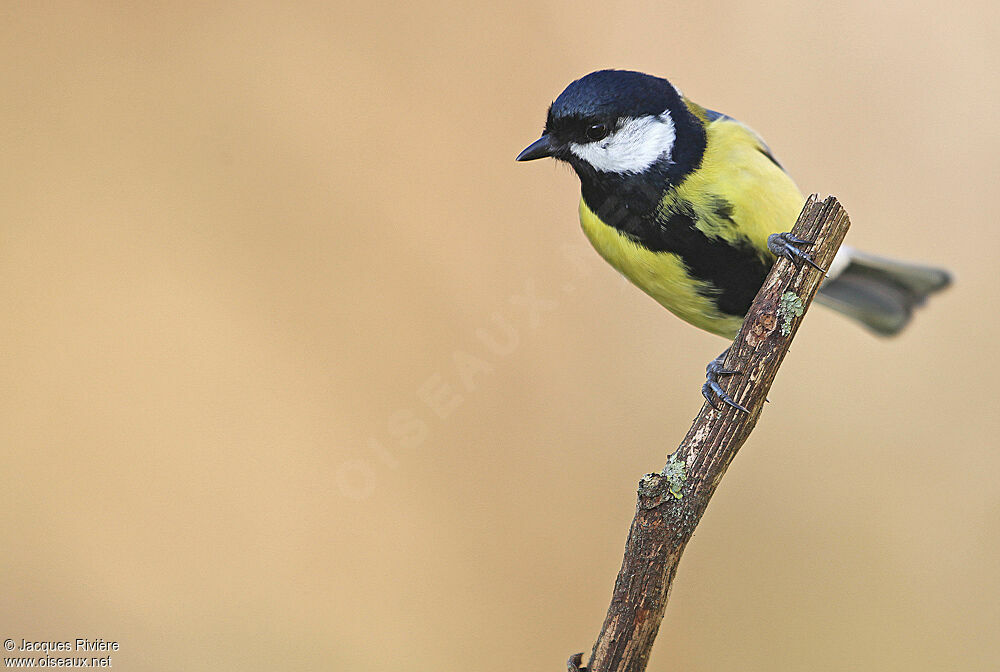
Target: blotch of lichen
(789, 307)
(676, 474)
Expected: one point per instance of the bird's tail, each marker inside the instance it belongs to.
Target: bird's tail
(879, 293)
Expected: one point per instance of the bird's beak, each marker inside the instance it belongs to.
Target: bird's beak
(539, 149)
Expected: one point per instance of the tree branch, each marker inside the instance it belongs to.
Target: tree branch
(671, 503)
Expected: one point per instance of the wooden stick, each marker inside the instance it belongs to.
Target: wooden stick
(671, 503)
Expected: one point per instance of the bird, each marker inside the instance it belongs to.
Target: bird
(693, 208)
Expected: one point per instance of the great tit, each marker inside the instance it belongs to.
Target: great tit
(690, 205)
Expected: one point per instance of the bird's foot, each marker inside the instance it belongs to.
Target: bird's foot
(712, 390)
(786, 245)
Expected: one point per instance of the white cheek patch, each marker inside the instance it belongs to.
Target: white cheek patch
(632, 147)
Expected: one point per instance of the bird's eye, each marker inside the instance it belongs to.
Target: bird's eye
(597, 131)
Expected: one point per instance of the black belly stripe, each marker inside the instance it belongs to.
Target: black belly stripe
(733, 268)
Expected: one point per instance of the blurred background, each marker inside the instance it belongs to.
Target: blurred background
(301, 370)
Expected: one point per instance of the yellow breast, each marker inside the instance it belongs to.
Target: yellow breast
(662, 275)
(764, 200)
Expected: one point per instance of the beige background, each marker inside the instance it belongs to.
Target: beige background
(245, 252)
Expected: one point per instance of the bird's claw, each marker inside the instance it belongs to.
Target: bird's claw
(786, 245)
(796, 240)
(712, 391)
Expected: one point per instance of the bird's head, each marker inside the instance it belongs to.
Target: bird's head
(618, 123)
